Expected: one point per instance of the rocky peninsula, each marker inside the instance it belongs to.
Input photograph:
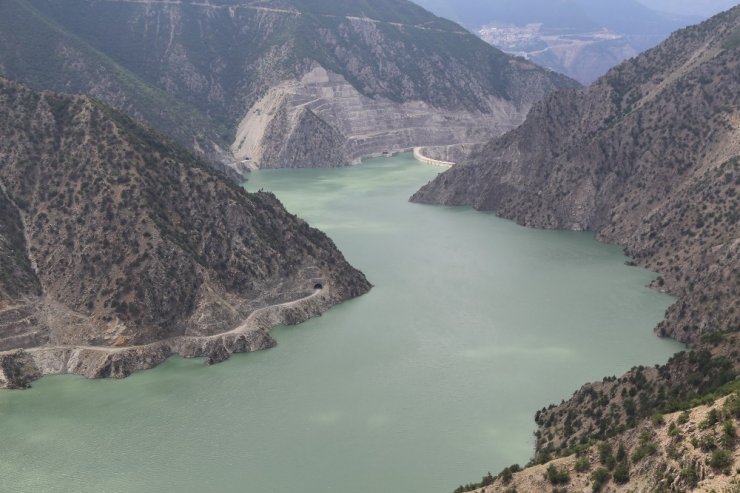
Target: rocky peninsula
(118, 248)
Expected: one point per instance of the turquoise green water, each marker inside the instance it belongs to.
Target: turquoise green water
(429, 381)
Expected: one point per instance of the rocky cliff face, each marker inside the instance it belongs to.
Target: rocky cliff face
(336, 81)
(647, 157)
(322, 120)
(118, 248)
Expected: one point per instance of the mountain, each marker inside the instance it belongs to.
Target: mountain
(280, 83)
(647, 157)
(579, 38)
(625, 16)
(118, 248)
(704, 8)
(693, 450)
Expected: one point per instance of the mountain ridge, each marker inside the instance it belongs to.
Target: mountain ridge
(648, 157)
(629, 17)
(220, 62)
(601, 159)
(582, 39)
(121, 239)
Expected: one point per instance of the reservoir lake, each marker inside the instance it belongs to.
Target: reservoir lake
(430, 380)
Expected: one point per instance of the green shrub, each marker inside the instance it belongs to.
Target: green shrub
(487, 480)
(720, 459)
(732, 41)
(605, 450)
(645, 449)
(599, 478)
(673, 430)
(729, 429)
(621, 453)
(557, 476)
(711, 420)
(673, 452)
(582, 464)
(605, 455)
(622, 473)
(581, 449)
(507, 474)
(732, 406)
(689, 476)
(708, 443)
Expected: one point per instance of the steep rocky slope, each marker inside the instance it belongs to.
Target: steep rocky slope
(601, 410)
(695, 450)
(45, 56)
(118, 248)
(335, 81)
(647, 157)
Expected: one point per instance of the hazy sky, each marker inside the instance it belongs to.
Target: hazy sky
(701, 8)
(704, 8)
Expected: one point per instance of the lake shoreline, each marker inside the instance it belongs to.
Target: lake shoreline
(444, 359)
(20, 367)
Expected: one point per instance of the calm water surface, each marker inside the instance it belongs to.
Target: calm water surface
(429, 381)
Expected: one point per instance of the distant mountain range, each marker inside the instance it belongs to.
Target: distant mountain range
(278, 83)
(622, 16)
(704, 8)
(579, 38)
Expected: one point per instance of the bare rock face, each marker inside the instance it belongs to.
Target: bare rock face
(328, 122)
(118, 248)
(281, 83)
(296, 137)
(647, 157)
(17, 370)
